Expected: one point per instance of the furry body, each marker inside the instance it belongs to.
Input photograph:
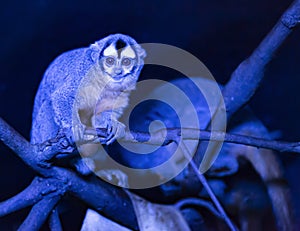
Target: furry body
(76, 92)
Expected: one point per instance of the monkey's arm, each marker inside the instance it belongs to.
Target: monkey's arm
(107, 114)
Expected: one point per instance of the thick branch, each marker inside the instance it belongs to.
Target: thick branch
(93, 191)
(98, 194)
(247, 77)
(21, 147)
(106, 199)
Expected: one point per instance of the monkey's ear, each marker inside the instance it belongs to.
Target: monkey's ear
(140, 51)
(95, 52)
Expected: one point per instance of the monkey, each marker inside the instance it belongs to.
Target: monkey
(87, 88)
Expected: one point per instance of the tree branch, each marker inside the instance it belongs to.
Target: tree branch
(54, 221)
(91, 190)
(247, 77)
(207, 187)
(27, 197)
(18, 144)
(39, 213)
(173, 135)
(98, 194)
(198, 202)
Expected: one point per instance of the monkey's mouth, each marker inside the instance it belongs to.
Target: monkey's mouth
(118, 78)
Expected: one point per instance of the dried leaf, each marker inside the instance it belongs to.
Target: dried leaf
(93, 221)
(153, 217)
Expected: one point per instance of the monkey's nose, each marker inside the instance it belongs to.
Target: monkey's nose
(118, 71)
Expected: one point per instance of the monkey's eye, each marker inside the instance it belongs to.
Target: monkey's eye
(110, 61)
(126, 62)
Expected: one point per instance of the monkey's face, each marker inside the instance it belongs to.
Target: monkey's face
(118, 61)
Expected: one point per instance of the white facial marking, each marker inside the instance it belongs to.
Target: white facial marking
(110, 51)
(128, 52)
(118, 66)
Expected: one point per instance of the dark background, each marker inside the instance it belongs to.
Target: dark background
(221, 33)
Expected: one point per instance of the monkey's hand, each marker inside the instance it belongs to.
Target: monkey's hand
(107, 121)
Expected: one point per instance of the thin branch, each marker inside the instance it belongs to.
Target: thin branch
(247, 77)
(27, 197)
(281, 146)
(37, 190)
(39, 213)
(208, 189)
(197, 202)
(54, 221)
(173, 135)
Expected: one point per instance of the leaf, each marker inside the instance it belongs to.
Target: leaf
(152, 217)
(93, 221)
